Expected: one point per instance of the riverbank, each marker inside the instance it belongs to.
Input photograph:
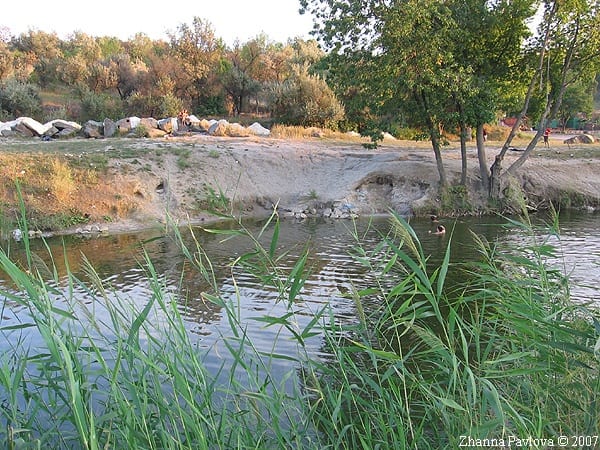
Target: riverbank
(118, 185)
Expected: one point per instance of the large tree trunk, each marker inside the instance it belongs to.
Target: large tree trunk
(434, 134)
(482, 157)
(463, 146)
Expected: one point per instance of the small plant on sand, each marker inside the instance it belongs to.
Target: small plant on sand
(141, 131)
(215, 200)
(312, 195)
(183, 159)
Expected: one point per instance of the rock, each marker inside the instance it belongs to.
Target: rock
(580, 139)
(155, 133)
(110, 127)
(168, 125)
(65, 128)
(23, 130)
(17, 234)
(67, 132)
(387, 136)
(258, 130)
(193, 120)
(218, 128)
(237, 130)
(51, 132)
(149, 123)
(127, 124)
(63, 124)
(204, 124)
(93, 129)
(36, 128)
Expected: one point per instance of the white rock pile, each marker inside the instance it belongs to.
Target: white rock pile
(128, 126)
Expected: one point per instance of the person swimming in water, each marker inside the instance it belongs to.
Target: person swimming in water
(439, 230)
(434, 218)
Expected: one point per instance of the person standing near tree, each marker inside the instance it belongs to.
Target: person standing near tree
(546, 135)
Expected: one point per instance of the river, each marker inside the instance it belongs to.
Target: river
(118, 261)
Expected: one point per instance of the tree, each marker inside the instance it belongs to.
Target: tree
(19, 99)
(199, 54)
(578, 99)
(81, 55)
(306, 99)
(407, 45)
(6, 60)
(242, 71)
(41, 51)
(455, 62)
(567, 50)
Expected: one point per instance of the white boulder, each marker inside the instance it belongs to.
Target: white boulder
(258, 130)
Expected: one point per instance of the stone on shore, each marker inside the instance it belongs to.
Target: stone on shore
(258, 130)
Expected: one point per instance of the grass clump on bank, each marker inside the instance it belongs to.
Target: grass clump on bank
(423, 364)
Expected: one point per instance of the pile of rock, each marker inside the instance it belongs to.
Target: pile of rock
(335, 210)
(28, 127)
(129, 126)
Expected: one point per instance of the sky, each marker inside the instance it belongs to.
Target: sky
(230, 19)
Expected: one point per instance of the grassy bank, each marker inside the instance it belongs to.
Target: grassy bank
(504, 356)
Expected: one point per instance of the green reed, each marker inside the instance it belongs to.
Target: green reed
(505, 354)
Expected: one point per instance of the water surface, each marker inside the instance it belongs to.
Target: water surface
(119, 262)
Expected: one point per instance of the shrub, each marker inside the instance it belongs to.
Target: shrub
(152, 106)
(19, 99)
(306, 100)
(98, 106)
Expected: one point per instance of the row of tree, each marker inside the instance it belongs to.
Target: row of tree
(455, 64)
(192, 69)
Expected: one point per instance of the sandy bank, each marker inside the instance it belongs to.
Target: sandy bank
(127, 184)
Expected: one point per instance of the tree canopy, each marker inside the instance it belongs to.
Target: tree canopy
(456, 64)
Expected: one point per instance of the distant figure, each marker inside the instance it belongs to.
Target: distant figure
(484, 134)
(546, 135)
(434, 218)
(439, 230)
(183, 120)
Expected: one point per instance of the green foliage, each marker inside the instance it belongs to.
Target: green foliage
(140, 131)
(578, 98)
(183, 159)
(98, 106)
(58, 221)
(306, 100)
(150, 105)
(215, 200)
(19, 99)
(455, 199)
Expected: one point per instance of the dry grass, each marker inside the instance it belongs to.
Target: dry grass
(298, 132)
(61, 182)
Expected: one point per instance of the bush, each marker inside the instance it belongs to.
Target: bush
(99, 106)
(308, 101)
(19, 99)
(152, 106)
